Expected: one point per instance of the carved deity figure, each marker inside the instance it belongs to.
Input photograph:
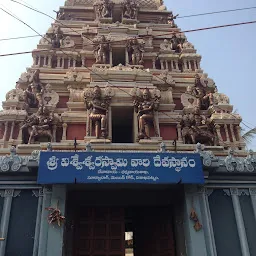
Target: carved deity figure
(130, 9)
(145, 108)
(135, 50)
(170, 20)
(101, 50)
(196, 128)
(38, 126)
(99, 113)
(166, 46)
(177, 43)
(33, 93)
(56, 37)
(104, 9)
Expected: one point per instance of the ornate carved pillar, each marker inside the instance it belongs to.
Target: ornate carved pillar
(5, 131)
(54, 130)
(64, 131)
(217, 127)
(154, 63)
(166, 65)
(8, 195)
(177, 65)
(63, 62)
(74, 63)
(238, 131)
(83, 61)
(20, 132)
(232, 132)
(179, 133)
(127, 57)
(49, 61)
(12, 129)
(162, 64)
(226, 131)
(69, 62)
(172, 66)
(45, 61)
(239, 221)
(58, 62)
(111, 57)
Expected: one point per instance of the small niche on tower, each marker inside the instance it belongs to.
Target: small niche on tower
(122, 124)
(118, 56)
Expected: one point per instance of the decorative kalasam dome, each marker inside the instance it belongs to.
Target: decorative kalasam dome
(148, 4)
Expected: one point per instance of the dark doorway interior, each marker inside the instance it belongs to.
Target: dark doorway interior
(122, 125)
(120, 231)
(118, 56)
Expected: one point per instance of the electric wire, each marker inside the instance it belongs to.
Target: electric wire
(14, 16)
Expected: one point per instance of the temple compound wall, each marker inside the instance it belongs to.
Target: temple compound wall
(110, 80)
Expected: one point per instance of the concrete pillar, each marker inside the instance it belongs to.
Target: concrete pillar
(12, 129)
(207, 222)
(226, 131)
(240, 222)
(44, 225)
(179, 133)
(195, 240)
(64, 131)
(8, 196)
(55, 232)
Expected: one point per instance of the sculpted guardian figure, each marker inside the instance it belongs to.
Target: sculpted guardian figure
(104, 9)
(101, 50)
(135, 50)
(130, 9)
(38, 126)
(99, 112)
(145, 108)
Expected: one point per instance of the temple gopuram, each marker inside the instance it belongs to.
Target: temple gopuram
(115, 142)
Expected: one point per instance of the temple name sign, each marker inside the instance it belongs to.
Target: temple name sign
(109, 167)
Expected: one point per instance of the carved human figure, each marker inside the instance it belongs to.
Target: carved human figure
(130, 9)
(196, 128)
(99, 113)
(176, 43)
(135, 50)
(101, 50)
(145, 109)
(104, 9)
(171, 18)
(38, 125)
(56, 37)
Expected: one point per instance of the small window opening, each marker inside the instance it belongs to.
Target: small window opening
(118, 57)
(122, 124)
(117, 15)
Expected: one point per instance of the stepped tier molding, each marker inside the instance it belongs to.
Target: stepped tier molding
(110, 61)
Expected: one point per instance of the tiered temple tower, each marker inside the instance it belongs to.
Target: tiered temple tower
(101, 143)
(117, 72)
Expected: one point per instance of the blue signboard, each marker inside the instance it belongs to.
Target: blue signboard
(106, 167)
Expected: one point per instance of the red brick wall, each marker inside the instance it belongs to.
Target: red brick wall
(77, 131)
(168, 132)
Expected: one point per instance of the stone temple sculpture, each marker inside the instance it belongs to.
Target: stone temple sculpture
(101, 50)
(145, 106)
(99, 111)
(135, 51)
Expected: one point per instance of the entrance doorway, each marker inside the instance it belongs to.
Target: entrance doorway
(122, 125)
(120, 231)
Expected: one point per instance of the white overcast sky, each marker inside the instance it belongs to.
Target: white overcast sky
(228, 54)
